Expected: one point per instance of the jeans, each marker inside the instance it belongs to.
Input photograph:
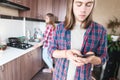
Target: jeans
(46, 57)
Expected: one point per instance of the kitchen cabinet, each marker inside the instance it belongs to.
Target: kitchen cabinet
(17, 1)
(38, 9)
(37, 61)
(16, 4)
(24, 67)
(14, 1)
(21, 2)
(44, 6)
(10, 71)
(32, 13)
(57, 7)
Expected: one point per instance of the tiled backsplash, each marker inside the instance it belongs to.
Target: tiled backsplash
(10, 28)
(31, 25)
(16, 28)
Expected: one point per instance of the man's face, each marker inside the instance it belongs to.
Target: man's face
(82, 8)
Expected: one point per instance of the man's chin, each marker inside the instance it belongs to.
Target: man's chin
(81, 20)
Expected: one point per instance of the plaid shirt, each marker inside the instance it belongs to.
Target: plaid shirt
(48, 35)
(94, 40)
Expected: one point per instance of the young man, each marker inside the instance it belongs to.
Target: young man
(75, 38)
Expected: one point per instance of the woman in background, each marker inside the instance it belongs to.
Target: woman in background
(50, 27)
(76, 37)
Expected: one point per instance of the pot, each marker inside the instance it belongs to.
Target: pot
(22, 39)
(3, 47)
(13, 40)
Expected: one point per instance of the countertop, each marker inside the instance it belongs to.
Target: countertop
(12, 53)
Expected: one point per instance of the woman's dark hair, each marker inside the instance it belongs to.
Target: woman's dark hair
(70, 18)
(52, 19)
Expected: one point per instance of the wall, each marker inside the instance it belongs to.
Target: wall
(8, 11)
(106, 10)
(31, 25)
(11, 28)
(17, 28)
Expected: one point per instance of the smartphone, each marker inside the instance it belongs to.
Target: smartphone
(85, 56)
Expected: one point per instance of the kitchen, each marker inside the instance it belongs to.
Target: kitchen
(15, 22)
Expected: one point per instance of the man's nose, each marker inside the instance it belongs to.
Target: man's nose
(83, 8)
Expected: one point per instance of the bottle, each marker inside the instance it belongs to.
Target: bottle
(37, 35)
(27, 35)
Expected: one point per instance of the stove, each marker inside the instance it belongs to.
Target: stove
(20, 45)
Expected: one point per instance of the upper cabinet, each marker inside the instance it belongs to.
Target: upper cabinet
(32, 13)
(21, 2)
(39, 8)
(17, 4)
(16, 1)
(57, 7)
(44, 6)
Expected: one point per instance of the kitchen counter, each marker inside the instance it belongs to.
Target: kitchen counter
(12, 53)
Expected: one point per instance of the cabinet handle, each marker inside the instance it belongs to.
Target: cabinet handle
(29, 54)
(2, 68)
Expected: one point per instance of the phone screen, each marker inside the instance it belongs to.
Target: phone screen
(85, 56)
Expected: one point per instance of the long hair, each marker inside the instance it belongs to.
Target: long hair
(70, 18)
(52, 19)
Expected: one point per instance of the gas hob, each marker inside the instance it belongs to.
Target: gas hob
(20, 45)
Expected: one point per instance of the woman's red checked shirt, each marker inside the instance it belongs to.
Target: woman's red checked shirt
(48, 35)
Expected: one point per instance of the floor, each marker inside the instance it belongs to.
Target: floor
(48, 76)
(42, 76)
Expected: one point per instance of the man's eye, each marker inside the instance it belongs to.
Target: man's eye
(89, 4)
(79, 4)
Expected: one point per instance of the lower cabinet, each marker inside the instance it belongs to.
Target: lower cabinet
(24, 67)
(10, 71)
